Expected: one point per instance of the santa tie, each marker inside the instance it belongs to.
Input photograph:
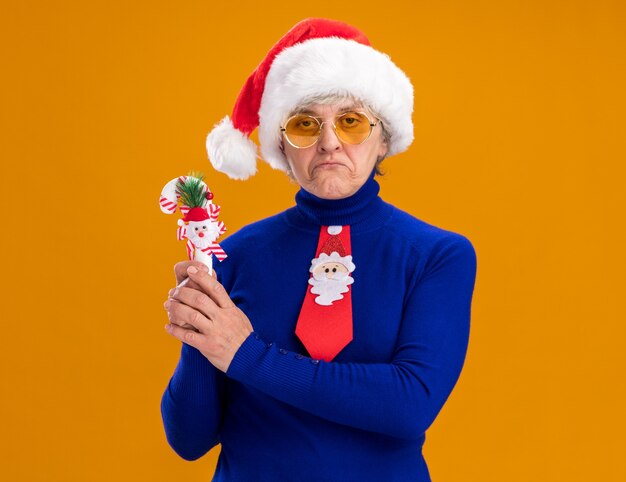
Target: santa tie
(325, 322)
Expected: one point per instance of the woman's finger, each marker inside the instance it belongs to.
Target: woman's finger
(187, 336)
(196, 299)
(211, 287)
(180, 269)
(180, 314)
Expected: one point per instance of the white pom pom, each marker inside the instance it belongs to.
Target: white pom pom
(231, 151)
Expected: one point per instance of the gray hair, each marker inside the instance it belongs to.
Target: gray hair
(335, 98)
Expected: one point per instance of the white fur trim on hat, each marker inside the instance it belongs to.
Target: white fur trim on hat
(231, 151)
(334, 65)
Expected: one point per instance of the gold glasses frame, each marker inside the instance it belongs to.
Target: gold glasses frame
(321, 123)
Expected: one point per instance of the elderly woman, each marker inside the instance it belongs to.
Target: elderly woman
(335, 331)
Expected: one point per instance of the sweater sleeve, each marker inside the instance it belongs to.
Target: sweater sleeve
(191, 406)
(400, 398)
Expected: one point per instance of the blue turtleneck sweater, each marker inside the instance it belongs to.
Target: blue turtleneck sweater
(280, 414)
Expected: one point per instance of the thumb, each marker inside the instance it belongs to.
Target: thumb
(180, 269)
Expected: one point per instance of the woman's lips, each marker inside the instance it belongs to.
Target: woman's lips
(329, 165)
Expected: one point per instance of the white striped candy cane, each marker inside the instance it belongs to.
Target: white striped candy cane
(168, 201)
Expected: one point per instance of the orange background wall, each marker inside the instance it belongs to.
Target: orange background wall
(519, 125)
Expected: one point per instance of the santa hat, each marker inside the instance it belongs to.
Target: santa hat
(317, 56)
(196, 214)
(333, 244)
(333, 250)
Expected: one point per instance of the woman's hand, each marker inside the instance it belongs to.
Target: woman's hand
(217, 328)
(180, 271)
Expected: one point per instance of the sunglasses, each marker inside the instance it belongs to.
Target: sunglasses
(302, 130)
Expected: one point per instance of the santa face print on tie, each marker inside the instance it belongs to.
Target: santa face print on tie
(331, 277)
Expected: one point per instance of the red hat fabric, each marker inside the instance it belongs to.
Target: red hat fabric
(333, 244)
(196, 214)
(316, 56)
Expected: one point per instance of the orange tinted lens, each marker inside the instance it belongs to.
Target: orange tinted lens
(353, 127)
(302, 130)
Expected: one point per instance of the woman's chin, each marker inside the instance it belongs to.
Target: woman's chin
(335, 188)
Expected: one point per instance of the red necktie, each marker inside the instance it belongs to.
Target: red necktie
(325, 322)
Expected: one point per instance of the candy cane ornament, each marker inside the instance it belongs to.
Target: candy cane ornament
(170, 195)
(199, 224)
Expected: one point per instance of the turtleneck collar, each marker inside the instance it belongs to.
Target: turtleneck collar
(362, 209)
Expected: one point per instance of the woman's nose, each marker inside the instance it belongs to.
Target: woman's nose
(328, 140)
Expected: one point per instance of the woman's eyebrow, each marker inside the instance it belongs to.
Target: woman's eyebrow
(303, 111)
(350, 107)
(307, 111)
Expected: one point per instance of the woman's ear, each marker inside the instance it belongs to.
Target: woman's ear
(384, 147)
(281, 146)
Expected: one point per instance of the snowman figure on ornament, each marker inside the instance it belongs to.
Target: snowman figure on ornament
(199, 225)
